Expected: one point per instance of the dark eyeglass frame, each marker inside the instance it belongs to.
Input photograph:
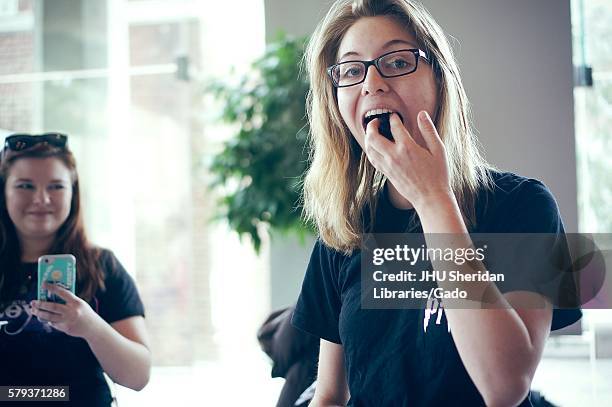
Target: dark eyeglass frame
(23, 141)
(418, 53)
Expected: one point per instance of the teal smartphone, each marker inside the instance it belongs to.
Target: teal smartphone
(57, 269)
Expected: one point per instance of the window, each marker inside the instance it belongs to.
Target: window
(592, 23)
(124, 79)
(591, 352)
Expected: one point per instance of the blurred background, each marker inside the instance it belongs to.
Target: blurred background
(130, 82)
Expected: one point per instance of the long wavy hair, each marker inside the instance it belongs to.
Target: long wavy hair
(70, 237)
(341, 182)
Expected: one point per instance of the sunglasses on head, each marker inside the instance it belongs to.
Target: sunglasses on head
(19, 142)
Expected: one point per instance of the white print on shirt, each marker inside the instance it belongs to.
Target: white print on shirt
(13, 313)
(434, 306)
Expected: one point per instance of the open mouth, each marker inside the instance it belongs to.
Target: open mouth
(383, 116)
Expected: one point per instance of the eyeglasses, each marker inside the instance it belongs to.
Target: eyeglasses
(389, 65)
(19, 142)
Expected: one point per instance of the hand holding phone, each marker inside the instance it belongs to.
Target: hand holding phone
(57, 269)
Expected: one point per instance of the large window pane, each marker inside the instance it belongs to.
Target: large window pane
(106, 73)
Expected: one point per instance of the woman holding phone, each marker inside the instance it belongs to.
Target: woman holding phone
(101, 329)
(393, 152)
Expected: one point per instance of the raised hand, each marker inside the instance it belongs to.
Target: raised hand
(420, 173)
(75, 317)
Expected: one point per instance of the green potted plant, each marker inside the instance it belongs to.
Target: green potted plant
(261, 167)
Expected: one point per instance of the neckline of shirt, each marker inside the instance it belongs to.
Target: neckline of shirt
(387, 201)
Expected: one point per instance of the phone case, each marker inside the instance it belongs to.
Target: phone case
(384, 128)
(56, 269)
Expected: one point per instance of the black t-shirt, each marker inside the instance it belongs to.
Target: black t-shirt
(33, 353)
(407, 357)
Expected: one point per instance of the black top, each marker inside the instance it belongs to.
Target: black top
(407, 357)
(33, 353)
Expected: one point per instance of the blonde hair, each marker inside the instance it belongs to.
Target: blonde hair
(341, 182)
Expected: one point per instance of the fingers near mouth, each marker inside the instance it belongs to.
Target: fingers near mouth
(384, 126)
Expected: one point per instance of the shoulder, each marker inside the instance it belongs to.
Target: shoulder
(328, 267)
(106, 256)
(509, 184)
(107, 259)
(521, 191)
(518, 202)
(120, 298)
(110, 265)
(326, 257)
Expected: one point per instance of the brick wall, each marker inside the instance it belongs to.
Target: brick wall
(16, 56)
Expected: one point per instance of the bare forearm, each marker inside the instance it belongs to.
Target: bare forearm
(328, 400)
(494, 344)
(332, 388)
(318, 403)
(126, 362)
(496, 351)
